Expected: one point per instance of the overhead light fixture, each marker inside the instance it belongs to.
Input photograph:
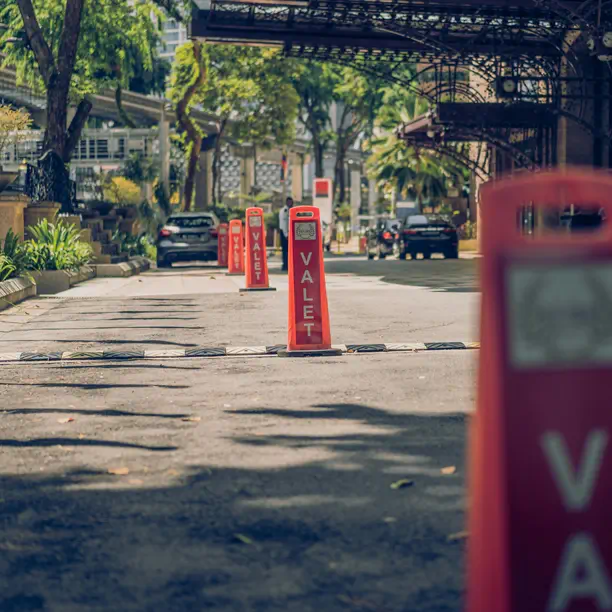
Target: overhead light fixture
(601, 46)
(507, 86)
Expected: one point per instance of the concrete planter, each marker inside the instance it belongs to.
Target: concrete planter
(135, 265)
(15, 290)
(12, 207)
(37, 212)
(50, 282)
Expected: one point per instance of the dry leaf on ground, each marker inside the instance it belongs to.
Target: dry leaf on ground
(451, 469)
(402, 484)
(65, 420)
(244, 539)
(120, 471)
(193, 419)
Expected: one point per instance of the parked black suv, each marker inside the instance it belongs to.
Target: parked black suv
(428, 235)
(382, 239)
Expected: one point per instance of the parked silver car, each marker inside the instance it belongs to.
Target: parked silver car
(187, 237)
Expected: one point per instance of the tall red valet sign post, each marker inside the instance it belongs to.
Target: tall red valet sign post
(541, 445)
(309, 330)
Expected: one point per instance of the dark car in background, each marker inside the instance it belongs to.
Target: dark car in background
(427, 235)
(382, 240)
(187, 237)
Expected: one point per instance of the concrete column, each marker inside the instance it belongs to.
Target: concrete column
(355, 199)
(297, 184)
(203, 186)
(164, 151)
(372, 197)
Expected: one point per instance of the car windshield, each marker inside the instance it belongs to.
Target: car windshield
(191, 221)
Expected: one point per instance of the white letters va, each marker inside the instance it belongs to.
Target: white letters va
(582, 573)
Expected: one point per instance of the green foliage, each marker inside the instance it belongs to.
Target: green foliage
(119, 190)
(14, 255)
(118, 41)
(56, 246)
(136, 245)
(249, 90)
(272, 222)
(140, 169)
(468, 231)
(7, 268)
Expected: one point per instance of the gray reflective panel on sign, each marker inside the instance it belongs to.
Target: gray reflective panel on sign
(559, 314)
(306, 230)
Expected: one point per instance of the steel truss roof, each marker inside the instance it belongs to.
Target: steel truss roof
(462, 29)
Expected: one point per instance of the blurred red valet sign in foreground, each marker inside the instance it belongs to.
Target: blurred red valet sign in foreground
(541, 454)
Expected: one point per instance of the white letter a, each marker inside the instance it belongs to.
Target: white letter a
(582, 575)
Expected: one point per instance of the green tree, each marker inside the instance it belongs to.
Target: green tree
(314, 83)
(249, 92)
(359, 98)
(188, 79)
(71, 49)
(419, 173)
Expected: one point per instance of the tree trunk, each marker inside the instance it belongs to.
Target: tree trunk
(216, 164)
(319, 152)
(192, 168)
(194, 135)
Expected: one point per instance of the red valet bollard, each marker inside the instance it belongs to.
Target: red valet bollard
(236, 251)
(222, 245)
(256, 258)
(309, 330)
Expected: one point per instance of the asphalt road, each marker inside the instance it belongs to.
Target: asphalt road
(238, 483)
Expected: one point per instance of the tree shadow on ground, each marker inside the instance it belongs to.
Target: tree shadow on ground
(437, 275)
(308, 523)
(92, 386)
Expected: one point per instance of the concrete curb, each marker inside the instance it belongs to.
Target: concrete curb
(230, 351)
(134, 266)
(15, 290)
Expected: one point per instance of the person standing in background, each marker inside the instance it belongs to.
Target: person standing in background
(283, 223)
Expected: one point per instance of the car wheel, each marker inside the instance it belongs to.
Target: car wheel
(452, 254)
(402, 255)
(162, 263)
(413, 255)
(426, 255)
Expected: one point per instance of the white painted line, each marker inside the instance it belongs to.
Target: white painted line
(407, 346)
(164, 354)
(246, 350)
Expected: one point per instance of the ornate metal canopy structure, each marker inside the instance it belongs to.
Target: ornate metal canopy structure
(548, 51)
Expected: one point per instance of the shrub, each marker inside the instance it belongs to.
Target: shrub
(56, 246)
(468, 231)
(7, 268)
(136, 245)
(14, 256)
